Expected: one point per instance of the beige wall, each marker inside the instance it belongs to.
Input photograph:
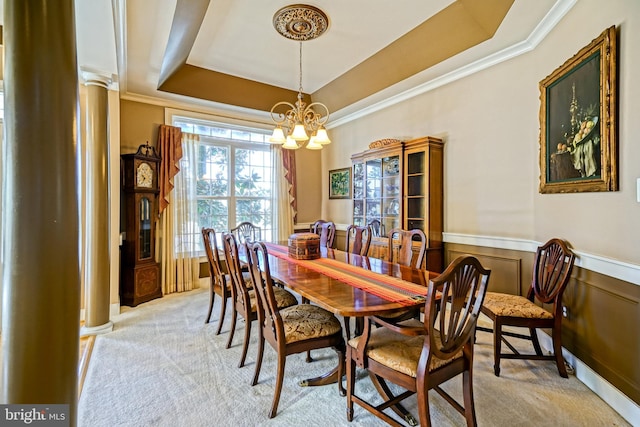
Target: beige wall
(489, 122)
(309, 173)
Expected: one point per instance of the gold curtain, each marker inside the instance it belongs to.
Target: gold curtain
(289, 164)
(170, 148)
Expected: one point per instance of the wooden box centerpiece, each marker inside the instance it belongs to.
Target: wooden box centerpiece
(304, 246)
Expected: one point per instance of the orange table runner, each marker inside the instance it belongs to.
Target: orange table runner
(387, 287)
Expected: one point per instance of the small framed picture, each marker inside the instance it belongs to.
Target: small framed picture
(340, 183)
(578, 121)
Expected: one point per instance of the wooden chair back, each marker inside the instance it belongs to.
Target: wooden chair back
(315, 227)
(454, 301)
(268, 311)
(404, 240)
(247, 232)
(551, 273)
(358, 239)
(239, 288)
(327, 232)
(218, 283)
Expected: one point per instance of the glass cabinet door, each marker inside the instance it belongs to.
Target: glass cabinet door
(391, 207)
(358, 194)
(415, 191)
(373, 190)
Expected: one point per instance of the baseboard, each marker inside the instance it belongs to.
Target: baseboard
(620, 403)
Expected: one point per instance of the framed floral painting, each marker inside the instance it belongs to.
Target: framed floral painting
(340, 183)
(578, 121)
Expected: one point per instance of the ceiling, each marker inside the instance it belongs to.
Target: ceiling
(226, 55)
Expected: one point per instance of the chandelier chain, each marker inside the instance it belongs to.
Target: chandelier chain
(300, 88)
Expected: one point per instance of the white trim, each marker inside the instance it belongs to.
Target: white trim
(607, 266)
(92, 78)
(244, 123)
(551, 19)
(620, 403)
(96, 330)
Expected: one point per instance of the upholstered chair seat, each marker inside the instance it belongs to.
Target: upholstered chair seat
(506, 305)
(306, 321)
(284, 299)
(400, 352)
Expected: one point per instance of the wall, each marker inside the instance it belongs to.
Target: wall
(138, 124)
(490, 124)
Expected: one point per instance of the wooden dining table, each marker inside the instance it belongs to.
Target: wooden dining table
(320, 285)
(349, 285)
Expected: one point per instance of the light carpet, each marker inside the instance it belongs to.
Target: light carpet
(162, 366)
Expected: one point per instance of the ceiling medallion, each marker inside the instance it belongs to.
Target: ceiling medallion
(300, 22)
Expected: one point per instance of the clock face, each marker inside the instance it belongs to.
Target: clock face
(144, 176)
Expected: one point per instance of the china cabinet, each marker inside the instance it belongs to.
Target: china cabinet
(399, 183)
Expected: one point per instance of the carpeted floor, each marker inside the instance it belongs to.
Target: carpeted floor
(162, 366)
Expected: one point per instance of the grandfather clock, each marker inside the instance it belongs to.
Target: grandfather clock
(140, 273)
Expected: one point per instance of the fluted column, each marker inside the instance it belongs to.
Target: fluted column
(97, 211)
(40, 218)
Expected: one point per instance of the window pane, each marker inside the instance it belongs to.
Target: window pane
(213, 175)
(257, 212)
(253, 173)
(213, 214)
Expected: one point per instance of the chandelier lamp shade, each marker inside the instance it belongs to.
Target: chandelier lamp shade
(300, 123)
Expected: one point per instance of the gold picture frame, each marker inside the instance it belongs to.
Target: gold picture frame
(340, 183)
(578, 121)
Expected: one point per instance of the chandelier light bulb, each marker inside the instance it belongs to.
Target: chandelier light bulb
(290, 144)
(313, 144)
(299, 133)
(322, 137)
(278, 136)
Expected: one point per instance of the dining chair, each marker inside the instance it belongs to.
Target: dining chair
(327, 232)
(421, 355)
(289, 330)
(358, 239)
(404, 240)
(551, 273)
(246, 231)
(244, 297)
(376, 228)
(217, 281)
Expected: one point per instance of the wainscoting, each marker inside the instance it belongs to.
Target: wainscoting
(602, 325)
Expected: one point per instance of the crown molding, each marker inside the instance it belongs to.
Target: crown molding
(551, 19)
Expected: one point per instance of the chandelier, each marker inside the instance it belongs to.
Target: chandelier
(299, 123)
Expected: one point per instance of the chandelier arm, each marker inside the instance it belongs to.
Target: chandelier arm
(320, 119)
(282, 118)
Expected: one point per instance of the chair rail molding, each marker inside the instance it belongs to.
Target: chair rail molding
(607, 266)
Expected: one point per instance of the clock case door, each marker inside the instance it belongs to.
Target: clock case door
(140, 273)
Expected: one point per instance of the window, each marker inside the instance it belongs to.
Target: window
(234, 176)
